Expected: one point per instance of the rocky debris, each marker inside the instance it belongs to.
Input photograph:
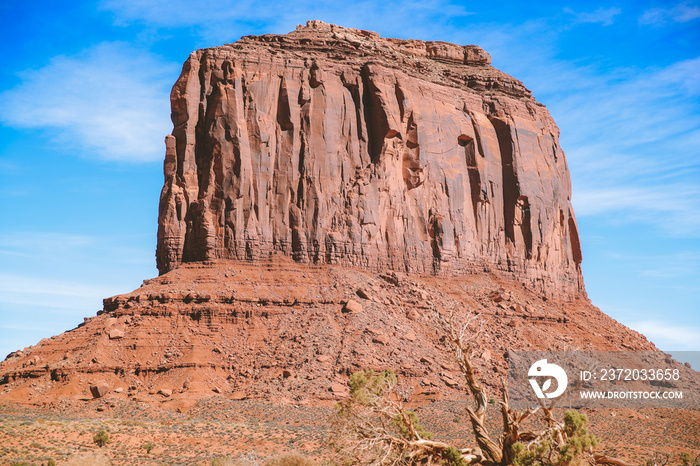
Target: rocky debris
(352, 306)
(364, 294)
(166, 392)
(339, 389)
(333, 145)
(496, 297)
(381, 339)
(449, 380)
(260, 321)
(116, 333)
(392, 277)
(99, 390)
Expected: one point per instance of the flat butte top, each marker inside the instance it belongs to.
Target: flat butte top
(465, 67)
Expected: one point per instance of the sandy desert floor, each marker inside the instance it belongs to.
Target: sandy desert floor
(219, 431)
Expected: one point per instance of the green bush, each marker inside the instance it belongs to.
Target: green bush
(101, 438)
(578, 437)
(685, 459)
(148, 446)
(453, 457)
(578, 440)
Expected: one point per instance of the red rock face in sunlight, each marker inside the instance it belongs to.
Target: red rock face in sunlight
(336, 146)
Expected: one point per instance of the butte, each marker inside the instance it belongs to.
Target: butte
(326, 192)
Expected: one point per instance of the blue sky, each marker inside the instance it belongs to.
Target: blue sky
(84, 109)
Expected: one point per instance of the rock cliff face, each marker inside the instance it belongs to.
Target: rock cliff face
(337, 146)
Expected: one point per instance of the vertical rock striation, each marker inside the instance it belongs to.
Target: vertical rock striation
(334, 145)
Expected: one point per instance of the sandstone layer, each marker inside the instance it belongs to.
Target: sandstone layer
(290, 333)
(334, 145)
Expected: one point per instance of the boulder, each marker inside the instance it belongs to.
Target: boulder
(352, 306)
(99, 389)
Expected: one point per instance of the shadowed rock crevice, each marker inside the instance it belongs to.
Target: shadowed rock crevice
(511, 187)
(375, 116)
(473, 172)
(575, 242)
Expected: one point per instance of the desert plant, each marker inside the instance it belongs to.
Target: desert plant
(547, 452)
(687, 460)
(148, 446)
(101, 438)
(373, 425)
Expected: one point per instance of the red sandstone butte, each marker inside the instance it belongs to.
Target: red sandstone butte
(336, 146)
(326, 193)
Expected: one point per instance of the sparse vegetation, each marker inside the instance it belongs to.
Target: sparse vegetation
(372, 425)
(546, 451)
(687, 460)
(148, 446)
(101, 438)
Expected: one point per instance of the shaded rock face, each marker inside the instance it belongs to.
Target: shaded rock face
(333, 145)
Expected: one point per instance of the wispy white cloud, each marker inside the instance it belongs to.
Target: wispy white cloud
(674, 211)
(681, 13)
(33, 285)
(603, 16)
(57, 278)
(59, 250)
(632, 144)
(669, 337)
(633, 107)
(685, 264)
(50, 241)
(36, 328)
(110, 102)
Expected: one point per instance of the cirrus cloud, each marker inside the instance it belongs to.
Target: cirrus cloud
(603, 16)
(681, 13)
(110, 101)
